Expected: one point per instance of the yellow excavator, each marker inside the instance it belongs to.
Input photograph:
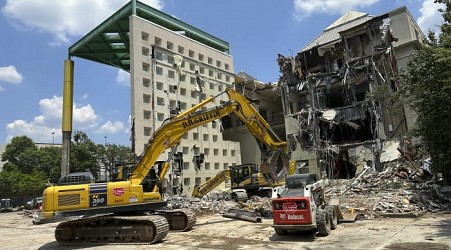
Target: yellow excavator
(246, 181)
(133, 211)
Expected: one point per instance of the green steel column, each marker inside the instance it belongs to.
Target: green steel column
(68, 95)
(134, 7)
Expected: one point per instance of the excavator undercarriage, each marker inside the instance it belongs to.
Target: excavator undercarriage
(108, 229)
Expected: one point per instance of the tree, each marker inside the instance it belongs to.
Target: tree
(110, 155)
(427, 89)
(83, 154)
(13, 152)
(50, 162)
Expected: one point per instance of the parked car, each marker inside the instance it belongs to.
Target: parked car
(35, 203)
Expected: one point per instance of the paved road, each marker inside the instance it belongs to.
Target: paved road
(217, 232)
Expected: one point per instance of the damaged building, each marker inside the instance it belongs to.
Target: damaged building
(337, 117)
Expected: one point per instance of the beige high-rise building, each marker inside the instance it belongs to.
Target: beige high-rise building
(161, 86)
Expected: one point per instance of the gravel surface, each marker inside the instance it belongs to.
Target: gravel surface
(216, 232)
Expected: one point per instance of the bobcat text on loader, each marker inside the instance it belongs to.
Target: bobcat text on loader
(132, 211)
(302, 206)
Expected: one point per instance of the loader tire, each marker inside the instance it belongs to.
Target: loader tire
(323, 222)
(333, 217)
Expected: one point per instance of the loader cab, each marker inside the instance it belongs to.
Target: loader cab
(300, 181)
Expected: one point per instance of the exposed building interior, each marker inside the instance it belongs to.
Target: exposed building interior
(334, 90)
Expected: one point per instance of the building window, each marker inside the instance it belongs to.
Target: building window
(158, 56)
(212, 85)
(225, 166)
(218, 64)
(201, 57)
(192, 67)
(170, 60)
(182, 104)
(172, 89)
(215, 151)
(196, 136)
(205, 137)
(198, 181)
(206, 151)
(216, 165)
(210, 60)
(186, 181)
(160, 101)
(183, 78)
(160, 116)
(219, 76)
(215, 138)
(145, 51)
(214, 124)
(159, 85)
(226, 66)
(227, 78)
(157, 41)
(220, 87)
(202, 70)
(146, 82)
(181, 50)
(171, 74)
(147, 114)
(191, 53)
(185, 136)
(185, 150)
(224, 152)
(210, 73)
(207, 165)
(144, 36)
(146, 67)
(183, 93)
(232, 152)
(147, 131)
(169, 45)
(192, 80)
(146, 98)
(159, 70)
(193, 94)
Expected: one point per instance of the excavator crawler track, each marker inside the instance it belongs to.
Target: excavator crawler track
(179, 219)
(113, 230)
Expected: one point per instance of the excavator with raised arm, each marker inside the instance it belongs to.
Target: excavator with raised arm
(133, 211)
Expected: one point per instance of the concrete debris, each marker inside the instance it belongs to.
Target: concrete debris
(242, 214)
(398, 191)
(219, 202)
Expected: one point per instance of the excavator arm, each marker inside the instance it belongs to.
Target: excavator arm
(172, 131)
(203, 189)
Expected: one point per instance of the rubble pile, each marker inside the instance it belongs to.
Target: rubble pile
(399, 190)
(396, 191)
(220, 201)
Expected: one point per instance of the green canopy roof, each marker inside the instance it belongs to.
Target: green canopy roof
(109, 43)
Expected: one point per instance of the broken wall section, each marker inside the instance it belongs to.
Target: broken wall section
(335, 94)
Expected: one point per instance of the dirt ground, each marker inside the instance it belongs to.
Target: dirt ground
(217, 232)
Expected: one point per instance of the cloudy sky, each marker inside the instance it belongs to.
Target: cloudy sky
(36, 35)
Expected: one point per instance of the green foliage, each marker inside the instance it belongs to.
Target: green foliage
(111, 154)
(17, 184)
(427, 89)
(28, 168)
(18, 145)
(83, 154)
